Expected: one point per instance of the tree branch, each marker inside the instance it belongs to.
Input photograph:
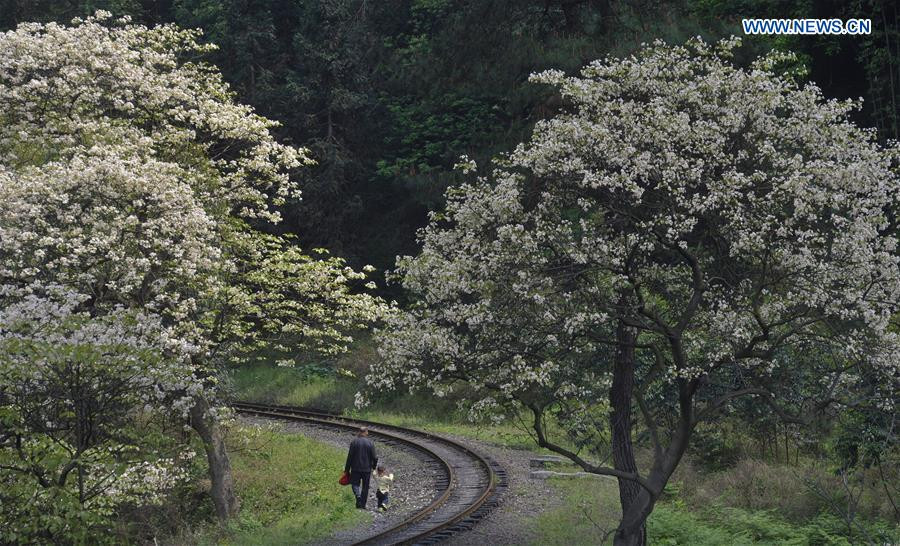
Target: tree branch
(588, 467)
(769, 398)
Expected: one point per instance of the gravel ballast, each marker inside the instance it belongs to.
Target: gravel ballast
(510, 523)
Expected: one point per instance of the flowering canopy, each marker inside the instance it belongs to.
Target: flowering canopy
(130, 182)
(685, 233)
(129, 175)
(722, 214)
(122, 160)
(70, 387)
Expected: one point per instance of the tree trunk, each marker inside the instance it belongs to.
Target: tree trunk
(210, 432)
(632, 530)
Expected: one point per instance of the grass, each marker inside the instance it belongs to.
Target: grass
(589, 509)
(504, 434)
(671, 525)
(266, 383)
(288, 490)
(293, 386)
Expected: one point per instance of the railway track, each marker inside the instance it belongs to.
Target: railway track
(469, 488)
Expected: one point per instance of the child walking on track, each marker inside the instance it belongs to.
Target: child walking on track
(383, 480)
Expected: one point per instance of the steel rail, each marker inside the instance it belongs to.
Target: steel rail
(384, 430)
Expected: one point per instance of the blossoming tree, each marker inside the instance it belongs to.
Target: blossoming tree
(663, 246)
(72, 386)
(130, 186)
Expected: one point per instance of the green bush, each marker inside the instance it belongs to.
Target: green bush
(715, 447)
(672, 525)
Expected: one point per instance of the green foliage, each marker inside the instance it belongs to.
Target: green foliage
(863, 437)
(80, 439)
(308, 64)
(286, 302)
(431, 135)
(881, 62)
(31, 516)
(715, 447)
(671, 525)
(334, 392)
(58, 513)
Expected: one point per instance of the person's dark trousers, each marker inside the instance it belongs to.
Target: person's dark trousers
(359, 481)
(382, 498)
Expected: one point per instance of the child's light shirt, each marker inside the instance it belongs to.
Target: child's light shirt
(384, 481)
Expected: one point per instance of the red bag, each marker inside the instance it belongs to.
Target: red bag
(345, 479)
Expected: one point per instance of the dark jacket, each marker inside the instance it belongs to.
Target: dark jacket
(362, 457)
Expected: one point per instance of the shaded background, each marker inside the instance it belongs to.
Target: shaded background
(389, 93)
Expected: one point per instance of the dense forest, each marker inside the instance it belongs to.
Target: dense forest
(388, 95)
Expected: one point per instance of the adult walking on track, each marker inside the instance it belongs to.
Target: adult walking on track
(361, 461)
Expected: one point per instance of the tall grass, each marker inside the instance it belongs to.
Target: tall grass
(590, 511)
(671, 524)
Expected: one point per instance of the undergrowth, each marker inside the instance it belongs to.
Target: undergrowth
(590, 511)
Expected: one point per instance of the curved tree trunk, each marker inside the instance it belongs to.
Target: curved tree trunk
(222, 490)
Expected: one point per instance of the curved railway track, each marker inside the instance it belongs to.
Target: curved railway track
(469, 488)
